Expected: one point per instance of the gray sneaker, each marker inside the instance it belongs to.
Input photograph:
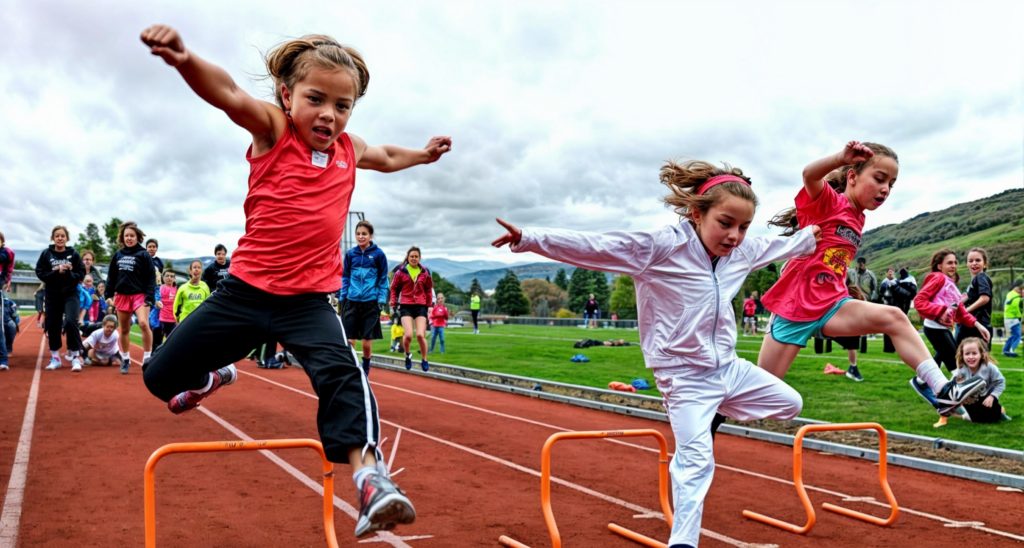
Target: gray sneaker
(382, 505)
(955, 394)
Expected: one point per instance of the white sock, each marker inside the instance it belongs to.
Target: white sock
(55, 354)
(126, 356)
(145, 355)
(74, 354)
(930, 373)
(360, 475)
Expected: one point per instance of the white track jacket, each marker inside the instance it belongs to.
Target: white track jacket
(684, 305)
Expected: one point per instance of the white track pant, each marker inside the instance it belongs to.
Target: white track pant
(692, 395)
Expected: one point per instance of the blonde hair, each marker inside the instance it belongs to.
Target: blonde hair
(686, 178)
(289, 63)
(837, 180)
(139, 234)
(986, 356)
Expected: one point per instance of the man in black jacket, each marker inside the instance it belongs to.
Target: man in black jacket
(218, 269)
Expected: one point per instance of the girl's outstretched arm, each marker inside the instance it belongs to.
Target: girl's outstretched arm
(815, 172)
(389, 158)
(213, 84)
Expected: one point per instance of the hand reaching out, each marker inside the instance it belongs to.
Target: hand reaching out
(855, 153)
(512, 238)
(816, 230)
(436, 147)
(165, 42)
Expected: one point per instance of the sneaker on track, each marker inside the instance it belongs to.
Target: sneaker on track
(54, 364)
(924, 391)
(272, 363)
(3, 366)
(124, 366)
(190, 399)
(955, 394)
(76, 365)
(408, 361)
(366, 366)
(425, 365)
(382, 506)
(854, 374)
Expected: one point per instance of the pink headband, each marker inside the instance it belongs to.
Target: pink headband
(717, 180)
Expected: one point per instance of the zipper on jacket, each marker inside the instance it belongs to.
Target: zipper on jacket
(714, 328)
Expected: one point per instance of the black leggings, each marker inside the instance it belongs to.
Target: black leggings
(475, 313)
(62, 315)
(238, 318)
(944, 345)
(980, 413)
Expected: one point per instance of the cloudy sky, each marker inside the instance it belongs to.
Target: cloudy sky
(560, 112)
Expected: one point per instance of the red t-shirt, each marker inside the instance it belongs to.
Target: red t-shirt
(749, 307)
(811, 285)
(294, 215)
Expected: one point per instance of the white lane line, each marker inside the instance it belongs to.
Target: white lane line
(383, 536)
(559, 481)
(729, 468)
(394, 448)
(10, 517)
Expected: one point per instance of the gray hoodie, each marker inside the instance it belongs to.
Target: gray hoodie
(995, 382)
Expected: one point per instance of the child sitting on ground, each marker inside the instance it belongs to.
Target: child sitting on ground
(396, 334)
(973, 360)
(101, 345)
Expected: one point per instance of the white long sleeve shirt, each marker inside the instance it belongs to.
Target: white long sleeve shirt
(684, 304)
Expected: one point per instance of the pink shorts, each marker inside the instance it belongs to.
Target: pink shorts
(129, 303)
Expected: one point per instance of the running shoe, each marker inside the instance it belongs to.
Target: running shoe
(3, 366)
(124, 366)
(955, 394)
(924, 391)
(190, 399)
(408, 361)
(854, 374)
(76, 364)
(425, 365)
(366, 366)
(382, 505)
(54, 364)
(272, 363)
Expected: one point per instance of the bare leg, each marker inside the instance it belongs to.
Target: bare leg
(407, 324)
(856, 318)
(142, 314)
(776, 357)
(359, 461)
(421, 337)
(852, 354)
(367, 348)
(124, 325)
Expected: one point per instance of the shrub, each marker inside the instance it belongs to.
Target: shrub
(563, 313)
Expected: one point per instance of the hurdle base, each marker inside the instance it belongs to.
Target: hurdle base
(510, 542)
(861, 516)
(635, 537)
(784, 525)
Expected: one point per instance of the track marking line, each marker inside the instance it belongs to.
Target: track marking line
(10, 516)
(717, 465)
(965, 524)
(1010, 489)
(608, 498)
(394, 449)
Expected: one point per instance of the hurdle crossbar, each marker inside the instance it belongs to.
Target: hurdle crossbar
(254, 445)
(545, 485)
(802, 492)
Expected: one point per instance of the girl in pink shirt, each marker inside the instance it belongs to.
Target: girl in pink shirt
(166, 305)
(811, 298)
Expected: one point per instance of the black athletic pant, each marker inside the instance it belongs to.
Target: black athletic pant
(980, 413)
(944, 345)
(62, 315)
(475, 313)
(238, 318)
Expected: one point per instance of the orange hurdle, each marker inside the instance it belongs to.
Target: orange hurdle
(254, 445)
(799, 482)
(545, 486)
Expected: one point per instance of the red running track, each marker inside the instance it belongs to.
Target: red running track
(467, 457)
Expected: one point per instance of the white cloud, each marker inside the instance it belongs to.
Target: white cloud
(560, 112)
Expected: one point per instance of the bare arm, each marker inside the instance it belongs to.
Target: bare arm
(815, 172)
(390, 158)
(214, 85)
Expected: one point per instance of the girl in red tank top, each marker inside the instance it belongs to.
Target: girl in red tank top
(302, 173)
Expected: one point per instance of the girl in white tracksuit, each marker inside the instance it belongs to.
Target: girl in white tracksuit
(686, 277)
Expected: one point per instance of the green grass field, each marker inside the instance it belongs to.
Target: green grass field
(884, 396)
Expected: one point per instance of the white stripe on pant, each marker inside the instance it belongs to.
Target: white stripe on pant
(692, 395)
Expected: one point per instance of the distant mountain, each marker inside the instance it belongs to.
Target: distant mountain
(449, 268)
(489, 278)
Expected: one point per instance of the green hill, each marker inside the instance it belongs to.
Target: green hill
(995, 224)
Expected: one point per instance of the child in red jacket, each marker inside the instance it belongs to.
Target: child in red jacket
(412, 290)
(438, 321)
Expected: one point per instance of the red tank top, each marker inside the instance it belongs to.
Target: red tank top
(294, 216)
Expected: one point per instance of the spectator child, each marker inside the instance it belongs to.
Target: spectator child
(218, 270)
(687, 329)
(938, 304)
(974, 360)
(302, 174)
(749, 320)
(590, 312)
(978, 298)
(10, 324)
(364, 291)
(85, 296)
(1012, 312)
(397, 333)
(191, 295)
(439, 321)
(6, 265)
(132, 278)
(40, 298)
(474, 310)
(811, 296)
(168, 294)
(414, 285)
(151, 247)
(61, 269)
(102, 345)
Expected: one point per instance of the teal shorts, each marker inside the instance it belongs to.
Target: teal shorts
(790, 332)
